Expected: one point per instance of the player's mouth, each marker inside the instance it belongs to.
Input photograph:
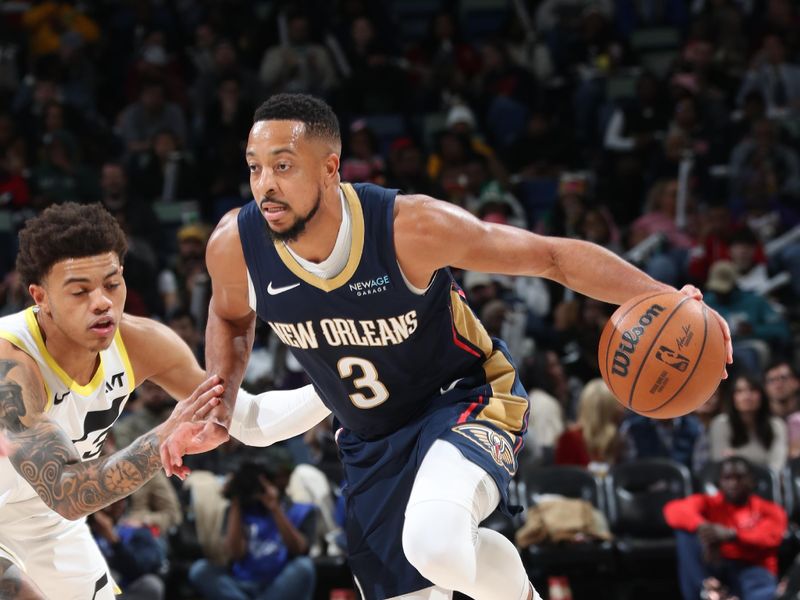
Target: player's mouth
(273, 211)
(103, 327)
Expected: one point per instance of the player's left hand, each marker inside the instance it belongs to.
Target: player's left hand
(693, 292)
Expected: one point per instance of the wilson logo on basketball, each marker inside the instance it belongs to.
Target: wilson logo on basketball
(630, 339)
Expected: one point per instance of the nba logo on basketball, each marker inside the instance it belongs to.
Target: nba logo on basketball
(672, 358)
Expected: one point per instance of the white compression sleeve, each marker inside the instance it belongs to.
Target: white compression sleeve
(274, 416)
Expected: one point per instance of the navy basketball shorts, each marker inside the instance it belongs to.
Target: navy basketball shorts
(380, 473)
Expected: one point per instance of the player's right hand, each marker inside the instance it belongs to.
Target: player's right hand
(189, 438)
(182, 432)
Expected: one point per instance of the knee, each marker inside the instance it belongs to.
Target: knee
(151, 586)
(433, 550)
(303, 567)
(199, 571)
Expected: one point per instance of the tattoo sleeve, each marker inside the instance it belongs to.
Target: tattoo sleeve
(47, 459)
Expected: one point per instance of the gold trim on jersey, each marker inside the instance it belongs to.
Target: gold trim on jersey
(14, 557)
(83, 390)
(13, 339)
(503, 408)
(356, 248)
(126, 361)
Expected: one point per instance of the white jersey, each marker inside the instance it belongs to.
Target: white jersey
(60, 555)
(85, 412)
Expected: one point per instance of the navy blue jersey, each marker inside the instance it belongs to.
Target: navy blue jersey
(377, 352)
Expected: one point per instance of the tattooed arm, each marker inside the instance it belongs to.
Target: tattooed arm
(15, 585)
(46, 458)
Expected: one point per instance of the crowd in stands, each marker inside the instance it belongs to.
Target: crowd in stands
(667, 131)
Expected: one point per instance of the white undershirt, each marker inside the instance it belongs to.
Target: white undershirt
(335, 263)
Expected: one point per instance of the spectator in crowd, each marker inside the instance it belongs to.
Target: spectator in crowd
(761, 160)
(755, 324)
(782, 386)
(594, 441)
(184, 285)
(140, 121)
(543, 149)
(363, 162)
(573, 198)
(153, 406)
(376, 81)
(715, 226)
(748, 256)
(49, 21)
(184, 324)
(732, 536)
(660, 215)
(774, 77)
(164, 172)
(132, 552)
(547, 428)
(746, 428)
(406, 169)
(705, 414)
(674, 439)
(60, 176)
(268, 538)
(225, 65)
(297, 64)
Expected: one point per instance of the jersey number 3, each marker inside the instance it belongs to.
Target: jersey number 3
(366, 380)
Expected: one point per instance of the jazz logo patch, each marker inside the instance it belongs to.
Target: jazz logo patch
(492, 442)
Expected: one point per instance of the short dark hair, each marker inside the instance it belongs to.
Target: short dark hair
(779, 362)
(68, 230)
(318, 116)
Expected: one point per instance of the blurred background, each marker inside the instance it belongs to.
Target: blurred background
(667, 131)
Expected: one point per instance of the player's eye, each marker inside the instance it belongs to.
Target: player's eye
(282, 167)
(112, 286)
(79, 293)
(253, 168)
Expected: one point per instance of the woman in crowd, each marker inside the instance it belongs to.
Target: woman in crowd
(747, 429)
(593, 441)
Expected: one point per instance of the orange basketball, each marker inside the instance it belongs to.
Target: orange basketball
(662, 355)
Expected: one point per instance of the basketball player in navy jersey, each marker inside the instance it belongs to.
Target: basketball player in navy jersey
(429, 410)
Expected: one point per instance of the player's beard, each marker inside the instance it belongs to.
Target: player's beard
(299, 226)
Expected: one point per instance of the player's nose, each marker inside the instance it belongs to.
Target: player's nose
(100, 301)
(265, 184)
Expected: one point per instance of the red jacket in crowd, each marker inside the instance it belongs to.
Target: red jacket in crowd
(759, 524)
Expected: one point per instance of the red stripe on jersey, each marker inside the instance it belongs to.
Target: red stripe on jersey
(463, 346)
(465, 415)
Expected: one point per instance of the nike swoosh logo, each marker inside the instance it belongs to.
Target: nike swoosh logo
(450, 387)
(273, 291)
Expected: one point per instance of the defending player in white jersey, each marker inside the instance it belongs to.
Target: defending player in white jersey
(67, 367)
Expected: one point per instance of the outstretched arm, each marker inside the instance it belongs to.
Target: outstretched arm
(42, 453)
(430, 234)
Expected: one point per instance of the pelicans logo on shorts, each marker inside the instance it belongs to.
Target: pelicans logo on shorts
(491, 441)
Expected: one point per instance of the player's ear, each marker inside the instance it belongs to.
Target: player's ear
(331, 169)
(38, 294)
